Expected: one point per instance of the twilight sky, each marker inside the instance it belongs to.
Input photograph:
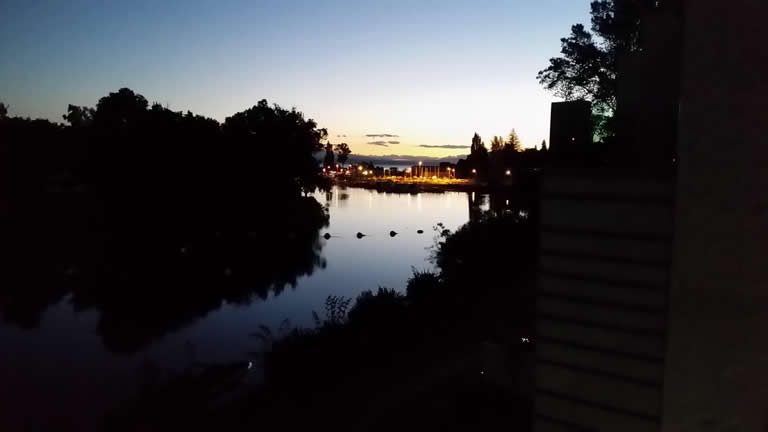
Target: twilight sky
(429, 73)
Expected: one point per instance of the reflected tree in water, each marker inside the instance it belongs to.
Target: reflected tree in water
(155, 218)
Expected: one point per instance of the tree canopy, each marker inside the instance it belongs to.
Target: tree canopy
(132, 192)
(343, 153)
(497, 143)
(330, 159)
(587, 68)
(513, 142)
(477, 145)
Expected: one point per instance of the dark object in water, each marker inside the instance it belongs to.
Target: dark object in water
(360, 235)
(420, 231)
(326, 236)
(392, 233)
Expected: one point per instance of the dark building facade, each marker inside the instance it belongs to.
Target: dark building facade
(651, 292)
(648, 89)
(570, 126)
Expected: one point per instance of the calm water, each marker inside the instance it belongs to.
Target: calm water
(40, 366)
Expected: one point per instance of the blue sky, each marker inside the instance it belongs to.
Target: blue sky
(430, 72)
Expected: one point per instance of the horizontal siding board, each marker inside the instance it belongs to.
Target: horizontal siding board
(626, 366)
(542, 423)
(609, 247)
(602, 280)
(643, 345)
(602, 234)
(595, 371)
(594, 417)
(606, 316)
(605, 270)
(604, 257)
(648, 358)
(630, 218)
(621, 395)
(622, 304)
(578, 256)
(607, 197)
(601, 292)
(624, 187)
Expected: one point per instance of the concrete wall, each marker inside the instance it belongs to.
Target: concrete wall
(717, 360)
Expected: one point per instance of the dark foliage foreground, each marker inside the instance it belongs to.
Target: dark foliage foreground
(446, 354)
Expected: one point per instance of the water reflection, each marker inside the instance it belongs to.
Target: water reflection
(149, 288)
(147, 282)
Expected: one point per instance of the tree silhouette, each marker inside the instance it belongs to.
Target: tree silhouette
(264, 133)
(149, 197)
(3, 110)
(477, 145)
(513, 142)
(329, 159)
(79, 116)
(477, 160)
(543, 145)
(587, 68)
(497, 144)
(121, 108)
(343, 152)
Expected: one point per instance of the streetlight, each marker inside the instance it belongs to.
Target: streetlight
(474, 171)
(420, 171)
(508, 172)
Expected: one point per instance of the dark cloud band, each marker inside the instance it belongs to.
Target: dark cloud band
(444, 146)
(382, 136)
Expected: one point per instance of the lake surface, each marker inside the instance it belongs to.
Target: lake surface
(40, 366)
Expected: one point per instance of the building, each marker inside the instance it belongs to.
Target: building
(425, 171)
(447, 170)
(570, 126)
(651, 293)
(648, 90)
(444, 170)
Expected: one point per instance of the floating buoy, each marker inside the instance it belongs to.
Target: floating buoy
(326, 236)
(420, 231)
(360, 235)
(392, 233)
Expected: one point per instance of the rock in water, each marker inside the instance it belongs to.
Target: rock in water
(392, 233)
(420, 231)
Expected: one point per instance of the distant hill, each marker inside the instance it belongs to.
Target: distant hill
(399, 161)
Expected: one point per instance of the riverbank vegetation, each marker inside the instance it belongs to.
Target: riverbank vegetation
(449, 349)
(155, 217)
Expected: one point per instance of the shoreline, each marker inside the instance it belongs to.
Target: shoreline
(416, 186)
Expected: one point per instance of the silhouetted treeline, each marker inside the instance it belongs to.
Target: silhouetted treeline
(154, 216)
(512, 165)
